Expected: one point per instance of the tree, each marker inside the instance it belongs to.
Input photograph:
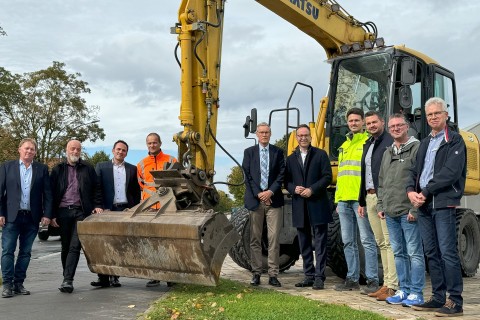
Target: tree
(225, 204)
(8, 146)
(98, 156)
(2, 32)
(234, 178)
(47, 105)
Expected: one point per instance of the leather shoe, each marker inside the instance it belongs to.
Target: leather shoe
(255, 280)
(20, 289)
(153, 283)
(66, 286)
(102, 284)
(273, 281)
(7, 292)
(307, 282)
(114, 282)
(318, 284)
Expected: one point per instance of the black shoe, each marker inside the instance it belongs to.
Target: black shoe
(7, 292)
(307, 282)
(114, 282)
(273, 281)
(318, 284)
(153, 283)
(348, 285)
(18, 288)
(170, 284)
(372, 286)
(428, 305)
(66, 286)
(450, 309)
(255, 280)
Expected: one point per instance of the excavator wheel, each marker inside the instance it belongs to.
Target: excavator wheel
(468, 238)
(240, 252)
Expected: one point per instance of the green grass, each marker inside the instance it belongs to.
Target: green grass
(233, 300)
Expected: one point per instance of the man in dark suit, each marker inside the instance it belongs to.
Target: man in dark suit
(120, 190)
(25, 200)
(264, 166)
(307, 176)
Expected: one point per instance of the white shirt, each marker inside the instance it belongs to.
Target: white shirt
(119, 182)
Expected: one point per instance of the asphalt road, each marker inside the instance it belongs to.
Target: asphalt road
(86, 302)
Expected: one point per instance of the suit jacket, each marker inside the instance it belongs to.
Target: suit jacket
(251, 167)
(316, 174)
(10, 191)
(105, 175)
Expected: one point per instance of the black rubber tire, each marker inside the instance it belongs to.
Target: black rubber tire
(468, 238)
(43, 235)
(240, 252)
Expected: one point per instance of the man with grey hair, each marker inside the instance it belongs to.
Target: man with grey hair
(264, 167)
(26, 199)
(76, 195)
(435, 186)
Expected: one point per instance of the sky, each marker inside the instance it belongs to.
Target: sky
(124, 50)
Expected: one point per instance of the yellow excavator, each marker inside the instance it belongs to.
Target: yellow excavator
(186, 241)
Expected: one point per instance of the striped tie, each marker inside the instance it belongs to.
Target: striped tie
(264, 169)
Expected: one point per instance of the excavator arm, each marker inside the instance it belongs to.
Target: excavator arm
(185, 240)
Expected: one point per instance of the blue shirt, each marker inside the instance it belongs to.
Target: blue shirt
(429, 162)
(26, 184)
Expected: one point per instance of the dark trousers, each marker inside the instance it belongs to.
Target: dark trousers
(439, 236)
(319, 244)
(67, 219)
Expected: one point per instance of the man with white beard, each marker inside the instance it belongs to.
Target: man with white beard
(76, 195)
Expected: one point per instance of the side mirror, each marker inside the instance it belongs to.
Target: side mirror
(253, 120)
(409, 68)
(405, 97)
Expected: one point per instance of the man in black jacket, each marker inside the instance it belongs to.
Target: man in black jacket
(120, 190)
(435, 187)
(76, 195)
(373, 151)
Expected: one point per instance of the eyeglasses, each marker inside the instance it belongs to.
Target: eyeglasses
(396, 126)
(434, 114)
(263, 132)
(303, 136)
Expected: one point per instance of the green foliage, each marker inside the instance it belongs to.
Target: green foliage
(47, 105)
(236, 177)
(233, 300)
(225, 204)
(98, 156)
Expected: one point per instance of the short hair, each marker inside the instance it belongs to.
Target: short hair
(438, 101)
(398, 116)
(32, 141)
(156, 135)
(356, 111)
(264, 124)
(120, 141)
(303, 125)
(372, 113)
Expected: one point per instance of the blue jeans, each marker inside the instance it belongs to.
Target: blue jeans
(408, 252)
(23, 229)
(439, 236)
(350, 222)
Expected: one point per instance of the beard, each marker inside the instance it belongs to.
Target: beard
(72, 158)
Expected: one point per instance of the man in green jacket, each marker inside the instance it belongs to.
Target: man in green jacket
(401, 216)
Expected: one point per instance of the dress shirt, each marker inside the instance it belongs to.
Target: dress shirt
(119, 181)
(429, 163)
(26, 184)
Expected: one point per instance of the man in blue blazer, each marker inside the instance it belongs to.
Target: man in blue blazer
(307, 176)
(120, 190)
(25, 200)
(264, 199)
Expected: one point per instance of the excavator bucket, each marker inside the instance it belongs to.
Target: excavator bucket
(182, 246)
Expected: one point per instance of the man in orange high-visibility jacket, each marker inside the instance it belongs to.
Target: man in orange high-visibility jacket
(154, 161)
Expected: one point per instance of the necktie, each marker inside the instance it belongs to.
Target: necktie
(264, 169)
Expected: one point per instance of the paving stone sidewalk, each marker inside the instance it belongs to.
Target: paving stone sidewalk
(471, 295)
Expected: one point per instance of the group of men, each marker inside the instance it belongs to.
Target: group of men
(29, 195)
(397, 193)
